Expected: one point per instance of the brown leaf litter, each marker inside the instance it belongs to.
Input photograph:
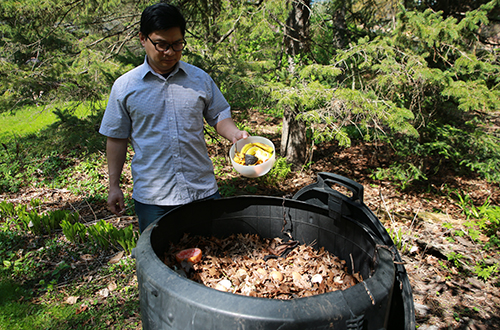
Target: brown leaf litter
(249, 265)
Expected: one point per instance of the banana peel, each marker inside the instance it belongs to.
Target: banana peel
(258, 150)
(265, 147)
(246, 147)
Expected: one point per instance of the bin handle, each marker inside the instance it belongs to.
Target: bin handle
(325, 179)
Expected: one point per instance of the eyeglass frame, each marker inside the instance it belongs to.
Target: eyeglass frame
(183, 42)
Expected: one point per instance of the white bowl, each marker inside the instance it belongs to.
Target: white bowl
(253, 171)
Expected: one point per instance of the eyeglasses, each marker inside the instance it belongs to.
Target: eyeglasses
(164, 46)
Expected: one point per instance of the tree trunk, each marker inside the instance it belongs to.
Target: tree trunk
(293, 138)
(296, 40)
(340, 27)
(297, 29)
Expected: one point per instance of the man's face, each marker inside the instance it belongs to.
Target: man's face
(164, 61)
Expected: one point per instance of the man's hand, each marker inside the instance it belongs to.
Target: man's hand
(116, 202)
(240, 135)
(228, 129)
(116, 152)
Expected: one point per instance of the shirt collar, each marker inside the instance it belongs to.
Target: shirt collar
(145, 69)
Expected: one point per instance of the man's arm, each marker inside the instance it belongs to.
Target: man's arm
(228, 129)
(116, 152)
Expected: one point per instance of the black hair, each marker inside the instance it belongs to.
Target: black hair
(161, 16)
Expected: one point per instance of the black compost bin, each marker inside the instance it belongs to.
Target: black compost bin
(322, 194)
(170, 301)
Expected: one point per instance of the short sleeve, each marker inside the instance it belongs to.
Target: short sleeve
(116, 122)
(218, 108)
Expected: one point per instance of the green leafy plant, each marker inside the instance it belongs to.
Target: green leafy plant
(101, 234)
(443, 265)
(227, 189)
(127, 238)
(279, 171)
(74, 232)
(472, 229)
(398, 237)
(493, 242)
(455, 258)
(107, 236)
(41, 224)
(7, 210)
(33, 222)
(467, 205)
(492, 214)
(403, 174)
(15, 215)
(485, 272)
(447, 225)
(484, 218)
(92, 184)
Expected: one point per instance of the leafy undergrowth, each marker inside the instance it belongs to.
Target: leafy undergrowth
(50, 283)
(446, 228)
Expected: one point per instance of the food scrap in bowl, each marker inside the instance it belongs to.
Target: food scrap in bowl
(253, 154)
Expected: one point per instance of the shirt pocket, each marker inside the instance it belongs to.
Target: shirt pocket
(190, 112)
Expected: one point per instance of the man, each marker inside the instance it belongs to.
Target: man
(161, 106)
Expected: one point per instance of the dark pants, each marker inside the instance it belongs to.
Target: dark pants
(148, 213)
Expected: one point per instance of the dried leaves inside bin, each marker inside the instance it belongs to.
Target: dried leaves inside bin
(249, 265)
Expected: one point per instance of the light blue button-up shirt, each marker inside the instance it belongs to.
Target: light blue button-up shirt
(164, 120)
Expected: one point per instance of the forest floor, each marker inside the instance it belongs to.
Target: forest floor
(438, 253)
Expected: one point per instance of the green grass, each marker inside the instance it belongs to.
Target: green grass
(24, 122)
(32, 119)
(45, 150)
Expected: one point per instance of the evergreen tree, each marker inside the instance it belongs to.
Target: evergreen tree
(57, 51)
(421, 79)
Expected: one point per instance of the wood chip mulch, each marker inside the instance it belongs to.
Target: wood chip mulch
(258, 267)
